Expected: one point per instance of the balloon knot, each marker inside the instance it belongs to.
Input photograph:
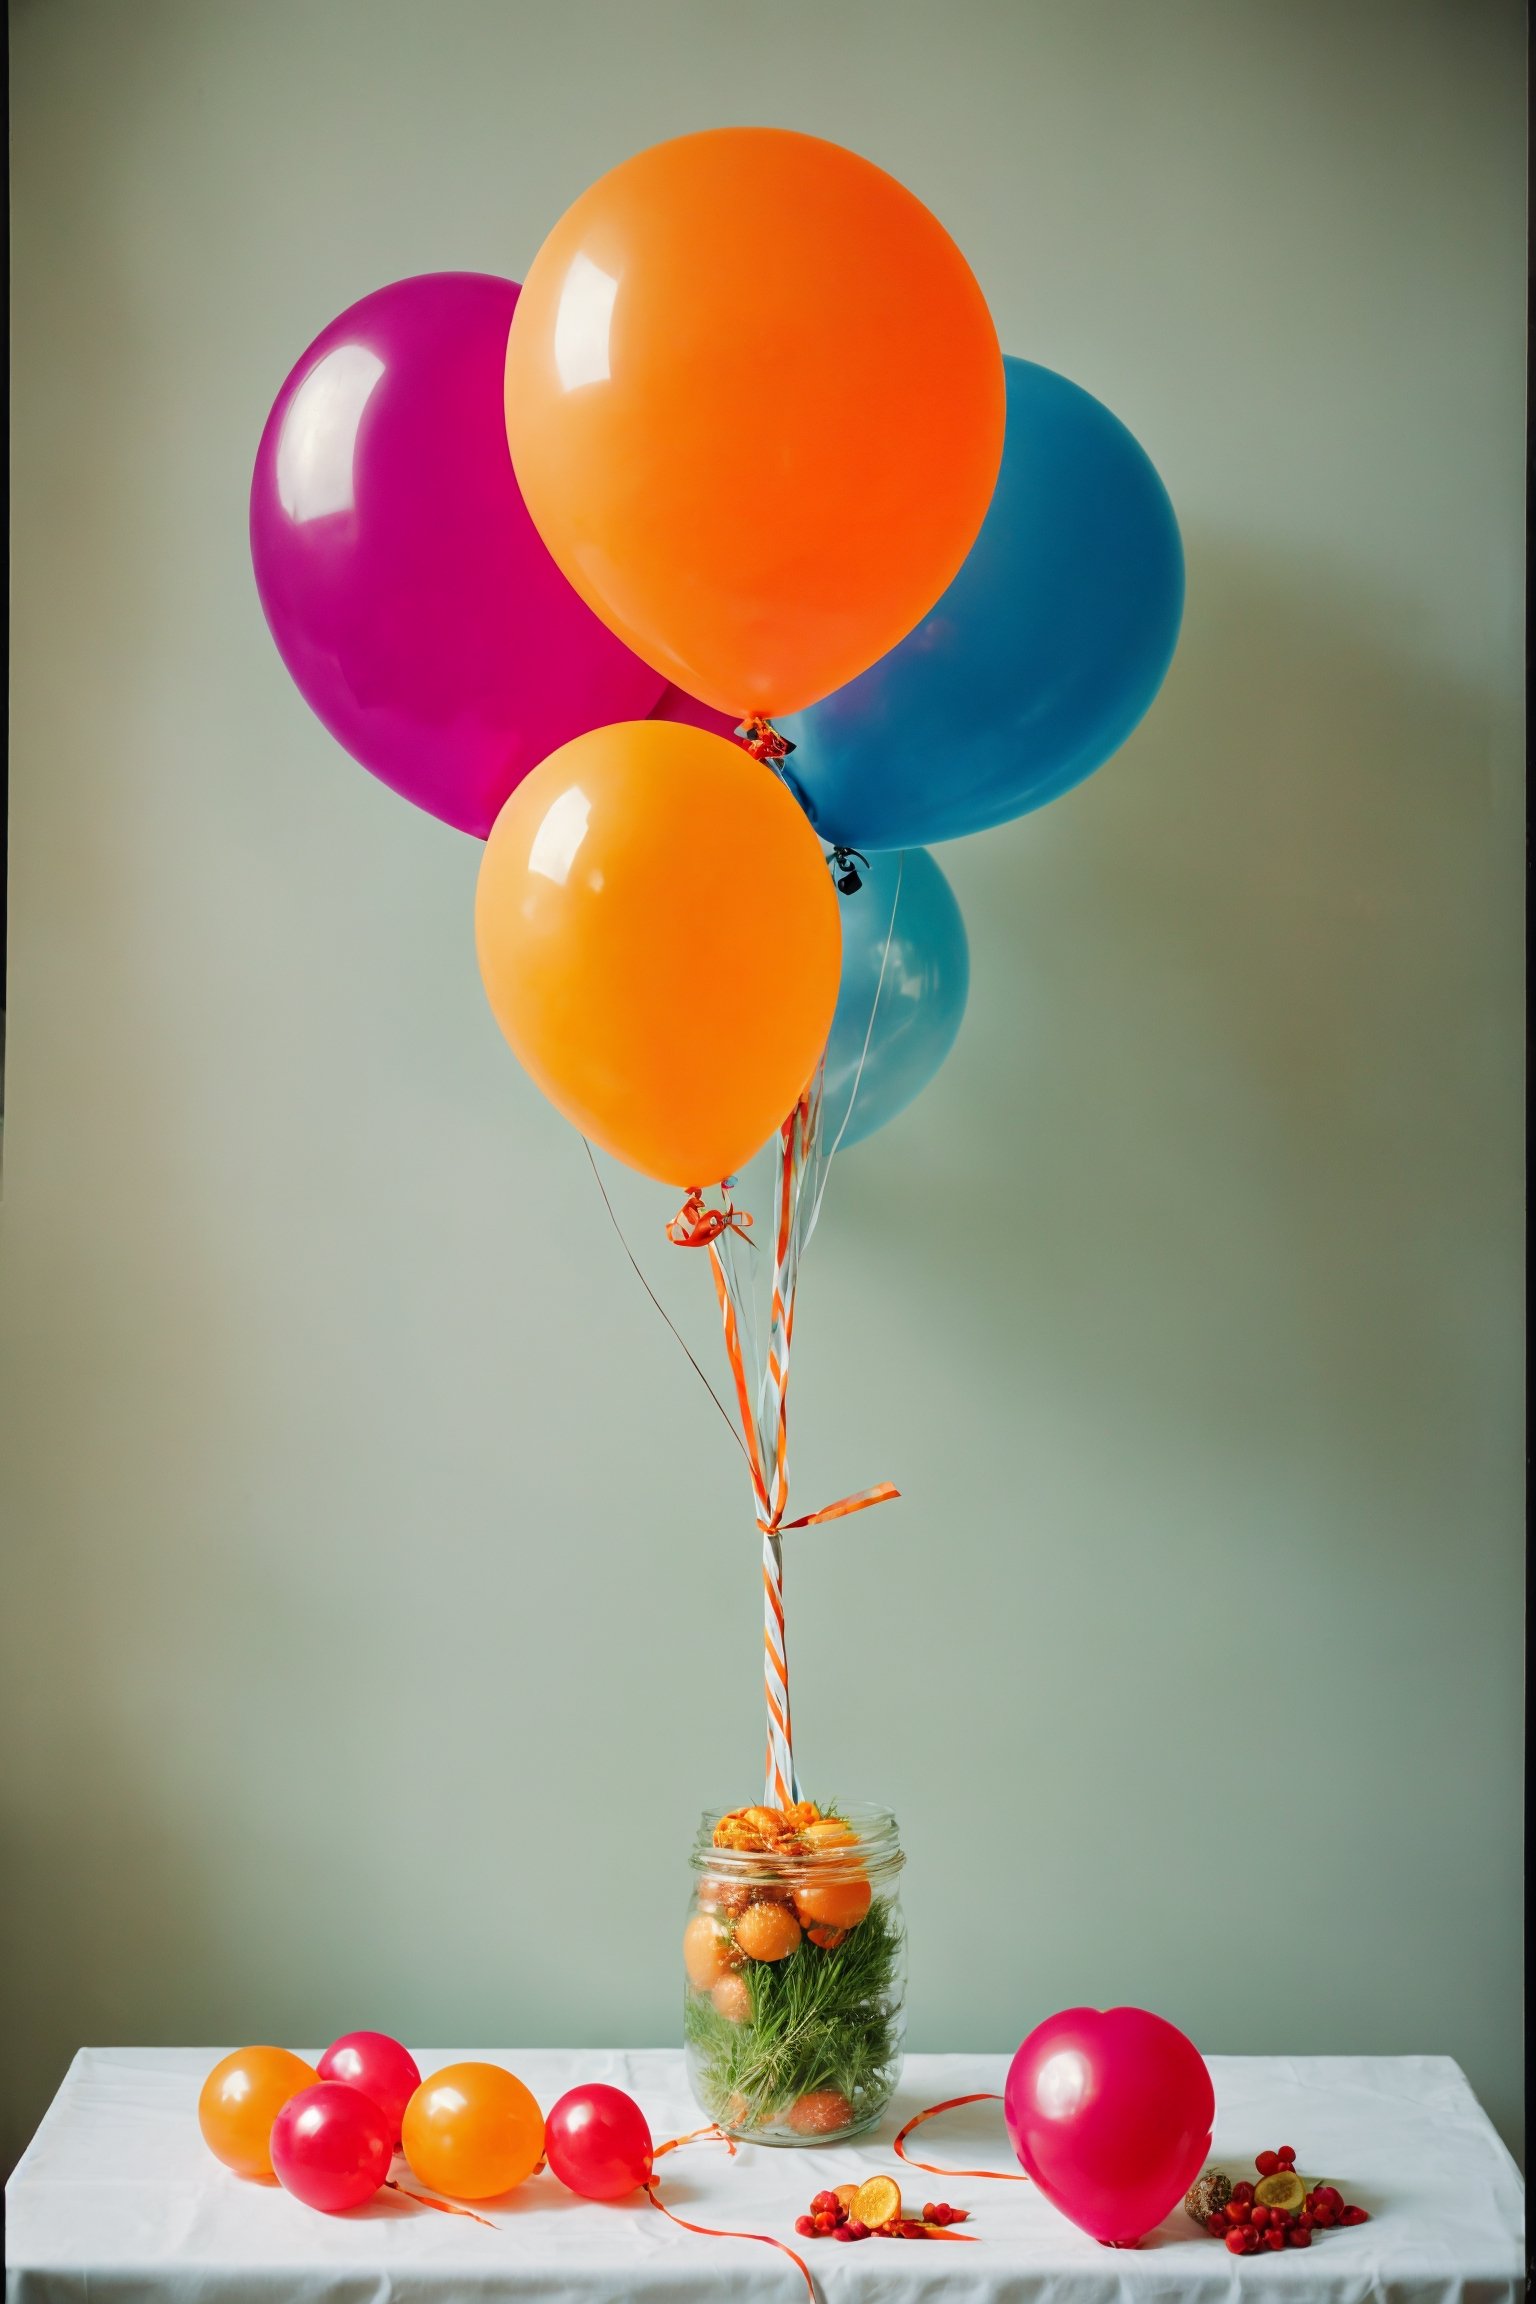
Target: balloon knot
(763, 740)
(844, 863)
(696, 1225)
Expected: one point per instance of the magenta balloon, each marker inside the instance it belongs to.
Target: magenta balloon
(1110, 2112)
(598, 2142)
(407, 589)
(385, 2072)
(677, 705)
(331, 2147)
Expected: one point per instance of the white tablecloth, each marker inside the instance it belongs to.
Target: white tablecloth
(117, 2198)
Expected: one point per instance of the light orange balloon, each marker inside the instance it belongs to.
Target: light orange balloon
(755, 406)
(240, 2100)
(659, 940)
(472, 2131)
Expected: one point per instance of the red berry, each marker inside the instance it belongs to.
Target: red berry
(1323, 2216)
(1353, 2216)
(1267, 2163)
(1331, 2194)
(1282, 2217)
(824, 2223)
(1238, 2211)
(1304, 2220)
(1216, 2224)
(1299, 2236)
(855, 2230)
(842, 2233)
(1242, 2240)
(824, 2203)
(1258, 2215)
(805, 2227)
(1242, 2192)
(1286, 2155)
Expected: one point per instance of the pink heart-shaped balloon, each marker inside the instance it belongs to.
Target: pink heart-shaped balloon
(1110, 2111)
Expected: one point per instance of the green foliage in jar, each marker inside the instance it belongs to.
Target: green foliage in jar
(822, 2024)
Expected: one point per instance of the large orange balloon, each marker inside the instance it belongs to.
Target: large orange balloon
(240, 2100)
(755, 404)
(472, 2131)
(659, 939)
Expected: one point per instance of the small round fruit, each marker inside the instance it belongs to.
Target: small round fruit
(706, 1951)
(877, 2201)
(1242, 2240)
(1286, 2155)
(767, 1932)
(1241, 2192)
(1258, 2215)
(855, 2230)
(843, 2232)
(1274, 2238)
(824, 2225)
(1216, 2223)
(1283, 2189)
(1239, 2211)
(821, 2113)
(1267, 2162)
(732, 1998)
(805, 2227)
(1354, 2216)
(1299, 2236)
(833, 1903)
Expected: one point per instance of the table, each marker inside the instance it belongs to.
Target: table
(116, 2198)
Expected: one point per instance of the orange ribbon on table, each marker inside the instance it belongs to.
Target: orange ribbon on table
(952, 2104)
(715, 2134)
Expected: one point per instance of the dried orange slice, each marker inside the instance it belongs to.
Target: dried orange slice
(1284, 2189)
(877, 2201)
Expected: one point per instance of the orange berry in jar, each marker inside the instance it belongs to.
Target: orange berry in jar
(833, 1903)
(820, 2113)
(732, 1999)
(706, 1951)
(767, 1932)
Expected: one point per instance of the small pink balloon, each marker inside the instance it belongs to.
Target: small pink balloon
(598, 2142)
(1110, 2111)
(380, 2067)
(331, 2147)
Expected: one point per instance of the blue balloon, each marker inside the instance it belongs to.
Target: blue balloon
(1038, 661)
(893, 1030)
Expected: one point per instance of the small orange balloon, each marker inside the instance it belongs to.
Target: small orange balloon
(755, 404)
(240, 2100)
(472, 2131)
(659, 939)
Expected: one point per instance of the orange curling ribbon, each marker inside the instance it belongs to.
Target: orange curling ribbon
(697, 1225)
(444, 2207)
(951, 2104)
(715, 2135)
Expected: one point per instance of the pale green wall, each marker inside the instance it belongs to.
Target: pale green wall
(382, 1597)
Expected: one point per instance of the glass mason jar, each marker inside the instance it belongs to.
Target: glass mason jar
(794, 2009)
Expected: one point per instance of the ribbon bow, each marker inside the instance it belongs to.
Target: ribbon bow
(763, 740)
(696, 1225)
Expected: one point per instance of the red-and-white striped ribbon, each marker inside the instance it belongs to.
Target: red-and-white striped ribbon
(765, 1418)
